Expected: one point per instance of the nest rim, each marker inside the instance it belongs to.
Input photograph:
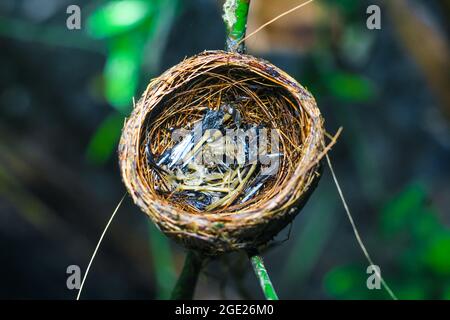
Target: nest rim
(244, 229)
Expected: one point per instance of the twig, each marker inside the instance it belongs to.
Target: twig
(235, 17)
(262, 275)
(185, 286)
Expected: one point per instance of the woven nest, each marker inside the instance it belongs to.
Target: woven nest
(264, 94)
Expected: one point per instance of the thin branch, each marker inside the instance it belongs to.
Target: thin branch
(235, 14)
(262, 275)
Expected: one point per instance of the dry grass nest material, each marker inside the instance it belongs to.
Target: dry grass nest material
(263, 94)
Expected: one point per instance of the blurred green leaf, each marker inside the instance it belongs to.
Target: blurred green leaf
(350, 87)
(413, 290)
(118, 17)
(339, 282)
(402, 209)
(346, 282)
(121, 80)
(410, 212)
(437, 254)
(350, 282)
(105, 139)
(446, 292)
(426, 223)
(128, 26)
(122, 71)
(424, 260)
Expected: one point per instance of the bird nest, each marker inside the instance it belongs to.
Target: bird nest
(261, 95)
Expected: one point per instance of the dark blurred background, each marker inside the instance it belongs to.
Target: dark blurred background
(64, 95)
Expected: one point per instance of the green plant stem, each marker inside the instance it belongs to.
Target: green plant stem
(262, 275)
(235, 14)
(185, 286)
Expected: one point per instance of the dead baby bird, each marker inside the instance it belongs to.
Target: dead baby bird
(211, 167)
